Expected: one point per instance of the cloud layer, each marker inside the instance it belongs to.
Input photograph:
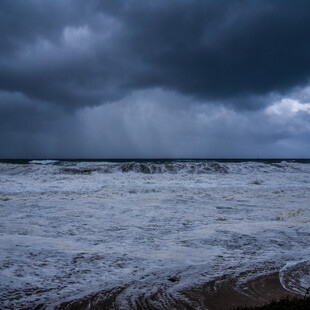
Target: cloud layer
(154, 78)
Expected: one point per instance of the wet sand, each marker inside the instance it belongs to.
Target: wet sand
(230, 293)
(222, 293)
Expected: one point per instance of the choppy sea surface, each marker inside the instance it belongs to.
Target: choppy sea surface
(69, 229)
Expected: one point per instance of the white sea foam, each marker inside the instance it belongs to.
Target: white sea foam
(295, 276)
(73, 228)
(300, 215)
(43, 162)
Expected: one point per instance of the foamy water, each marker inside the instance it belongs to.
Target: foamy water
(69, 229)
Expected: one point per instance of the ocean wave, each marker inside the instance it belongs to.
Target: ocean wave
(157, 167)
(146, 168)
(186, 167)
(44, 162)
(151, 168)
(77, 170)
(75, 228)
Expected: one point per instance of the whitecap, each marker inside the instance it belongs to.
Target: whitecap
(44, 162)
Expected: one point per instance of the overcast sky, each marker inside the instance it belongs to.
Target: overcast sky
(139, 78)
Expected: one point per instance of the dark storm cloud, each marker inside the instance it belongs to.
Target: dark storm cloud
(136, 78)
(18, 113)
(220, 49)
(77, 53)
(48, 53)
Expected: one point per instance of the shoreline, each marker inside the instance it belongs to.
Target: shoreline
(221, 293)
(229, 294)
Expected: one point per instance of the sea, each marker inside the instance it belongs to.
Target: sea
(139, 234)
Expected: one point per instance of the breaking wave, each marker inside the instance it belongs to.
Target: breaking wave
(176, 167)
(44, 162)
(148, 168)
(151, 167)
